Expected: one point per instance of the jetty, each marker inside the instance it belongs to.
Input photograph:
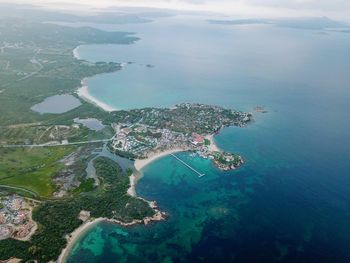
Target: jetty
(187, 165)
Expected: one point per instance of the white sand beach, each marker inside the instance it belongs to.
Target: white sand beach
(141, 163)
(212, 147)
(74, 236)
(76, 53)
(132, 188)
(83, 92)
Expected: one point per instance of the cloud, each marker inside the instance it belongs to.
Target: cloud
(253, 8)
(333, 8)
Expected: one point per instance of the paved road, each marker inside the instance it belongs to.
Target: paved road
(52, 145)
(19, 188)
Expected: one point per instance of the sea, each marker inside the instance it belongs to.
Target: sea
(290, 201)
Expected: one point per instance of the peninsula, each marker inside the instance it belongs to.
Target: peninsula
(186, 127)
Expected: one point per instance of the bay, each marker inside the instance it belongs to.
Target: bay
(290, 202)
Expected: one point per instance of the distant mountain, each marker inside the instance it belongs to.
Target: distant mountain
(32, 13)
(316, 23)
(238, 22)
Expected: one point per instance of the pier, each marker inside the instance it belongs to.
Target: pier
(187, 165)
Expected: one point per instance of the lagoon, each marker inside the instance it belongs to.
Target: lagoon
(91, 123)
(57, 104)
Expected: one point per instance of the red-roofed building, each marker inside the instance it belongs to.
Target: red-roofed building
(197, 139)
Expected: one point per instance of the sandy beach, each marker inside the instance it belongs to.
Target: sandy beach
(141, 163)
(76, 53)
(133, 181)
(83, 92)
(212, 147)
(73, 237)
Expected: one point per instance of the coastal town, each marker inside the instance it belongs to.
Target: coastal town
(147, 137)
(141, 141)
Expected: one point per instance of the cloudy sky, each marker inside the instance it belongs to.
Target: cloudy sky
(339, 9)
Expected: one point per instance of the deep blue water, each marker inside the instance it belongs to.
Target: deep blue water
(290, 202)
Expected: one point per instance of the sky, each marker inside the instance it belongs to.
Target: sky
(336, 9)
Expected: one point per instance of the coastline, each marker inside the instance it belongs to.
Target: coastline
(141, 163)
(76, 53)
(72, 237)
(212, 147)
(158, 216)
(83, 92)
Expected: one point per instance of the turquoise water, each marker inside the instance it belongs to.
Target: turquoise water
(290, 202)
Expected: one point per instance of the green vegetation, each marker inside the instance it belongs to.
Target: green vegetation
(24, 192)
(37, 61)
(40, 134)
(22, 134)
(85, 186)
(32, 168)
(184, 118)
(227, 161)
(124, 154)
(59, 218)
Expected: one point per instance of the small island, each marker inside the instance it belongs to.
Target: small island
(260, 109)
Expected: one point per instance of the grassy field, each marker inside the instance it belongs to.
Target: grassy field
(32, 168)
(39, 134)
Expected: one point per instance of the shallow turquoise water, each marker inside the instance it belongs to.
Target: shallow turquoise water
(290, 202)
